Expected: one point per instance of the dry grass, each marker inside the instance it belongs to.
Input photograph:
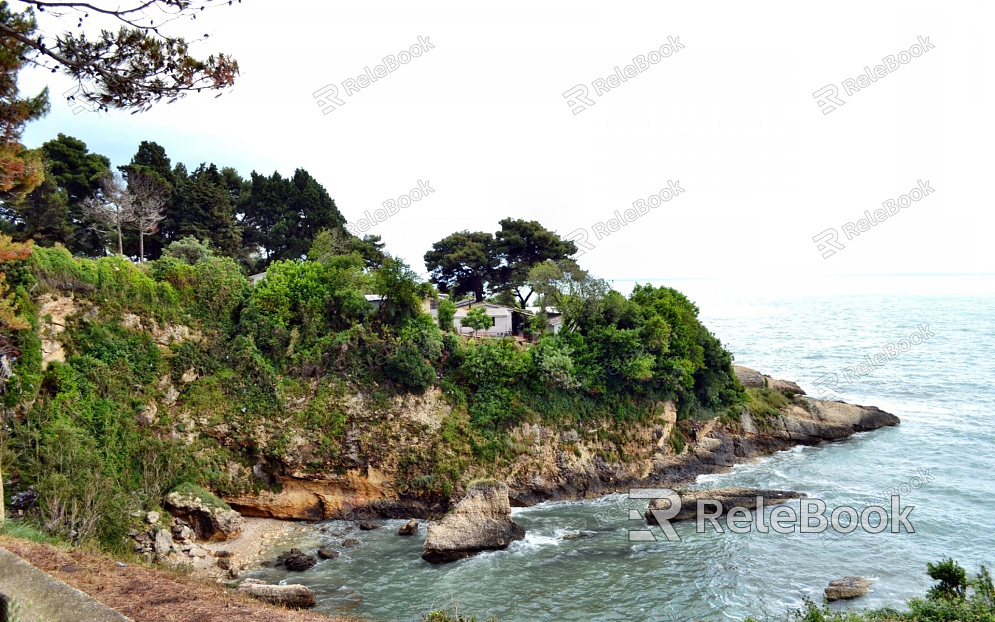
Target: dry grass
(147, 594)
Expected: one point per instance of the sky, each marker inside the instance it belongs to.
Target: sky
(727, 125)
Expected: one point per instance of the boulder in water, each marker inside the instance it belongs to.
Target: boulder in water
(847, 588)
(480, 522)
(409, 528)
(727, 497)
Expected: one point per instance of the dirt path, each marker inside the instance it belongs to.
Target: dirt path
(148, 594)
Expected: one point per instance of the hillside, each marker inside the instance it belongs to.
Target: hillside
(132, 379)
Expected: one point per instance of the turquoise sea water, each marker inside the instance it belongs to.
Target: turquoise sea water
(942, 389)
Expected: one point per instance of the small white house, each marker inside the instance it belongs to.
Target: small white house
(499, 314)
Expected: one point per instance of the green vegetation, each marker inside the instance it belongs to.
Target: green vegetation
(954, 598)
(178, 372)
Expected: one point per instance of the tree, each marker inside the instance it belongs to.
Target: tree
(476, 318)
(21, 170)
(518, 247)
(132, 68)
(109, 210)
(203, 208)
(10, 320)
(446, 312)
(189, 250)
(332, 242)
(463, 263)
(144, 202)
(283, 216)
(400, 289)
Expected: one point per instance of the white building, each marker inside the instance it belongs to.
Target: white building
(499, 314)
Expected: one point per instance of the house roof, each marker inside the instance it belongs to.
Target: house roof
(492, 309)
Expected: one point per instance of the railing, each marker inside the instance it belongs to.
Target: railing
(463, 330)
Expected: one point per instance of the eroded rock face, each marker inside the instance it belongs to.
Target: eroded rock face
(727, 497)
(209, 522)
(847, 588)
(480, 522)
(293, 596)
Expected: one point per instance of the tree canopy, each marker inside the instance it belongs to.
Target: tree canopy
(132, 68)
(481, 263)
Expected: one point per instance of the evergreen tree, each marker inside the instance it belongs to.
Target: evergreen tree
(282, 216)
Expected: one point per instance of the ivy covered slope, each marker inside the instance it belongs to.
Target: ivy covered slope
(133, 379)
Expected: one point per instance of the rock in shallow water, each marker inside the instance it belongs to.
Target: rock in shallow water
(327, 552)
(480, 522)
(296, 560)
(727, 497)
(847, 588)
(409, 528)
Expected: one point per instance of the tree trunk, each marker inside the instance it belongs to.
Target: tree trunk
(120, 245)
(141, 246)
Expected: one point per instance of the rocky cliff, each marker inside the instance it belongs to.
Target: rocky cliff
(557, 464)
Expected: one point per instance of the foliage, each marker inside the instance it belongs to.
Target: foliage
(129, 69)
(189, 250)
(445, 313)
(519, 246)
(21, 170)
(952, 579)
(463, 263)
(477, 319)
(284, 216)
(10, 318)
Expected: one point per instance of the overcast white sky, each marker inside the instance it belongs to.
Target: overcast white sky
(731, 116)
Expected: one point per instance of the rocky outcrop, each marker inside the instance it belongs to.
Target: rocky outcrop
(292, 596)
(357, 494)
(209, 519)
(409, 528)
(52, 314)
(727, 498)
(749, 378)
(480, 522)
(847, 588)
(753, 379)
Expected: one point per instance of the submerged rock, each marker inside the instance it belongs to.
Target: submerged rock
(366, 525)
(409, 528)
(480, 522)
(293, 596)
(847, 588)
(727, 497)
(327, 552)
(350, 542)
